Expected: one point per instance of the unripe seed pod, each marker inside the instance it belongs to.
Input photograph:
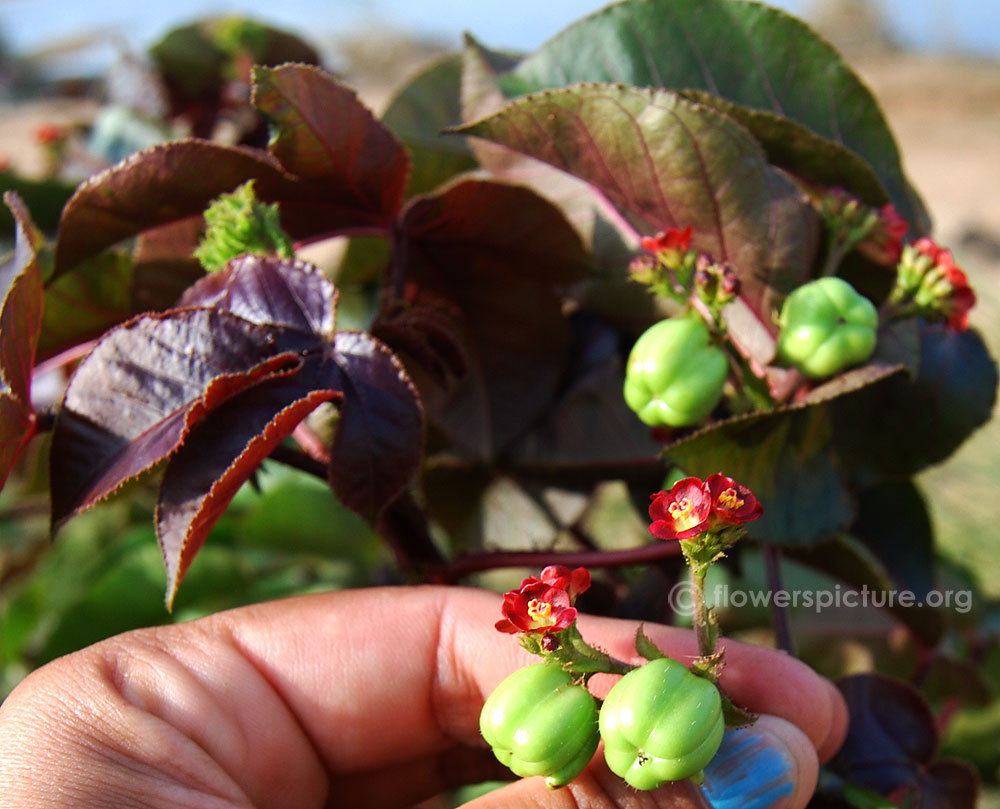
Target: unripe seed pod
(826, 326)
(540, 722)
(675, 375)
(661, 723)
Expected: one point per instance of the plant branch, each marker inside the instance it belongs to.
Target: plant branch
(462, 566)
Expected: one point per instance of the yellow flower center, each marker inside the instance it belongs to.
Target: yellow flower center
(682, 512)
(728, 499)
(540, 612)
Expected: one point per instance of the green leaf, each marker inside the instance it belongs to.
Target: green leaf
(800, 151)
(783, 457)
(645, 647)
(903, 425)
(419, 113)
(666, 162)
(744, 52)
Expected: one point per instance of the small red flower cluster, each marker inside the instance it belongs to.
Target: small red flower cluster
(693, 506)
(672, 239)
(960, 297)
(545, 604)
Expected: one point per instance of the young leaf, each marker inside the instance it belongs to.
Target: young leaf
(494, 253)
(324, 133)
(20, 324)
(666, 162)
(744, 52)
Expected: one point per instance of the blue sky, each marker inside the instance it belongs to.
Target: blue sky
(973, 25)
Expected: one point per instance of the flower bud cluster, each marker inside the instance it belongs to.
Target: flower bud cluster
(876, 232)
(930, 284)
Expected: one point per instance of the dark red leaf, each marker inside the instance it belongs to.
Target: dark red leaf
(493, 254)
(891, 735)
(219, 456)
(379, 442)
(325, 133)
(175, 181)
(375, 453)
(269, 291)
(132, 401)
(20, 324)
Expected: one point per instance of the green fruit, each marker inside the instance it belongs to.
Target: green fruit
(826, 326)
(675, 375)
(540, 722)
(661, 723)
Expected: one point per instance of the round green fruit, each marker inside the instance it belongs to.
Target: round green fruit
(540, 722)
(661, 723)
(674, 376)
(826, 326)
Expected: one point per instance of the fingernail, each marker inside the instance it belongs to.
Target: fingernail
(750, 771)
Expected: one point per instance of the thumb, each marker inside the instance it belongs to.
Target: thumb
(769, 765)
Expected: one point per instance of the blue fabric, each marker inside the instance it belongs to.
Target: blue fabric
(748, 772)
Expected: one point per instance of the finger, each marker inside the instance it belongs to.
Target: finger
(596, 788)
(769, 765)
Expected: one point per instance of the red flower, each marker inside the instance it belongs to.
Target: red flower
(732, 502)
(681, 513)
(573, 582)
(544, 605)
(672, 239)
(536, 608)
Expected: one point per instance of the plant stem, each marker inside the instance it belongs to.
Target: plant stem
(779, 612)
(702, 619)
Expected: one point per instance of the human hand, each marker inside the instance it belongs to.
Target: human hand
(367, 698)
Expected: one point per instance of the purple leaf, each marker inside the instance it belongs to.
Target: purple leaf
(220, 456)
(175, 181)
(133, 400)
(268, 291)
(379, 441)
(891, 743)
